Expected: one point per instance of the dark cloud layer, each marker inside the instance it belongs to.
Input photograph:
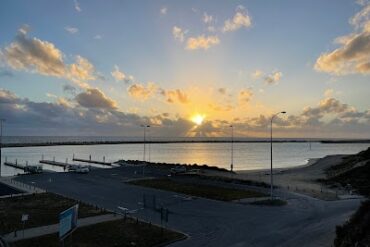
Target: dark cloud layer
(94, 98)
(92, 113)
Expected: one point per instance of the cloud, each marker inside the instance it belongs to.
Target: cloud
(34, 54)
(362, 2)
(178, 33)
(71, 30)
(163, 10)
(69, 89)
(207, 19)
(222, 90)
(142, 92)
(273, 78)
(26, 117)
(257, 74)
(245, 96)
(94, 98)
(177, 95)
(77, 6)
(38, 56)
(82, 70)
(202, 42)
(221, 108)
(120, 76)
(7, 97)
(353, 56)
(98, 37)
(239, 20)
(328, 93)
(361, 17)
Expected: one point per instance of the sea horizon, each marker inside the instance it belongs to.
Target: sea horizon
(21, 140)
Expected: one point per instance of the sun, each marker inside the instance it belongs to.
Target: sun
(198, 119)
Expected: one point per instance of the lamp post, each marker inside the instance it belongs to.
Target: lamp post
(232, 148)
(1, 139)
(271, 179)
(150, 140)
(144, 153)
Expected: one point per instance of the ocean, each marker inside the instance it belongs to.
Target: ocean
(247, 156)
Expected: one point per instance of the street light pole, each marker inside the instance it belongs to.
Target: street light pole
(1, 140)
(271, 175)
(144, 153)
(150, 140)
(232, 148)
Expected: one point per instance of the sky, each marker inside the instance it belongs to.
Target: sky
(186, 68)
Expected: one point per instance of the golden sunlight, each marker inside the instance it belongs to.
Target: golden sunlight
(198, 119)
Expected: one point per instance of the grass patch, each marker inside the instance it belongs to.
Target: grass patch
(269, 202)
(200, 190)
(108, 234)
(43, 209)
(235, 181)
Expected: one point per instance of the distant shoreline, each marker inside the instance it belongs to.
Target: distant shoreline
(78, 143)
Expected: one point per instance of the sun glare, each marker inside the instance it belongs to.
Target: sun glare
(198, 119)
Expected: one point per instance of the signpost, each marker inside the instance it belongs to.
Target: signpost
(24, 219)
(67, 222)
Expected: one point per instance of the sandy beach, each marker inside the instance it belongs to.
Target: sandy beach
(300, 179)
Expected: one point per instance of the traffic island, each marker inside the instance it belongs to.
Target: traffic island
(198, 190)
(269, 202)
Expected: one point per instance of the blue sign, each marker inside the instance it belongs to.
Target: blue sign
(68, 221)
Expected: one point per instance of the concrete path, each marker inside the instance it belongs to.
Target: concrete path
(27, 188)
(45, 230)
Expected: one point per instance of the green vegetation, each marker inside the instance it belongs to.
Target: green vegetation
(235, 181)
(350, 173)
(356, 232)
(121, 233)
(43, 209)
(269, 202)
(200, 190)
(168, 166)
(353, 171)
(358, 178)
(348, 163)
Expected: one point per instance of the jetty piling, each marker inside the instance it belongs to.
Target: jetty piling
(93, 161)
(54, 163)
(26, 168)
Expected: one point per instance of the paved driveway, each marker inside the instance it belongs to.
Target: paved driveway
(303, 222)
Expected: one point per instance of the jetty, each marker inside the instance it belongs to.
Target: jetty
(92, 161)
(55, 163)
(25, 168)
